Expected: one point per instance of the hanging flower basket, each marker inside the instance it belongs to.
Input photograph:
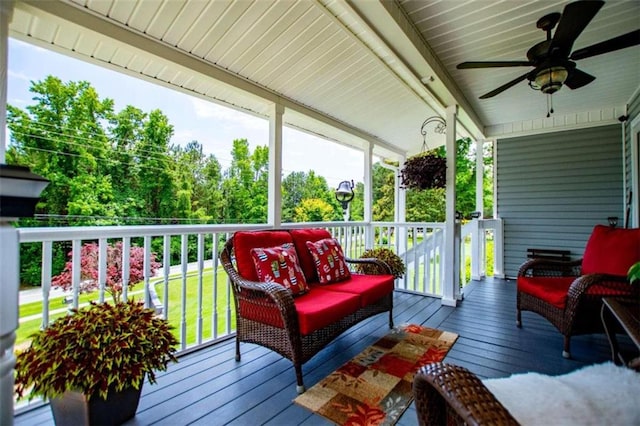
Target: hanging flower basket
(424, 171)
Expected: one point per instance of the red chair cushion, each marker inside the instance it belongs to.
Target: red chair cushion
(320, 307)
(280, 265)
(300, 238)
(329, 260)
(371, 288)
(244, 241)
(552, 290)
(611, 251)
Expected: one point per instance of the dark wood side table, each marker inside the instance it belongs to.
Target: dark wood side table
(626, 313)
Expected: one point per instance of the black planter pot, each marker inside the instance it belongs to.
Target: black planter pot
(73, 409)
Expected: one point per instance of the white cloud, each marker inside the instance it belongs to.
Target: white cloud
(204, 109)
(19, 76)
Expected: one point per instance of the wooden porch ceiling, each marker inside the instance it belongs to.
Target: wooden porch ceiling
(355, 71)
(208, 387)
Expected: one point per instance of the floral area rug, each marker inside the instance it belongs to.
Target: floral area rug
(375, 387)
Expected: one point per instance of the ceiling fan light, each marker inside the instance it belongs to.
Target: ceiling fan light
(550, 79)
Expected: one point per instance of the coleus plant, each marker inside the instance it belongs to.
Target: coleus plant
(96, 350)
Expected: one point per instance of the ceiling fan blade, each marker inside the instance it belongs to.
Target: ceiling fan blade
(577, 79)
(505, 86)
(493, 64)
(616, 43)
(575, 18)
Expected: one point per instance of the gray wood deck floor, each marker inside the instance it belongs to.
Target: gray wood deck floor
(209, 387)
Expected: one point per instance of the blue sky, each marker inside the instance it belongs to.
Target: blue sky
(214, 126)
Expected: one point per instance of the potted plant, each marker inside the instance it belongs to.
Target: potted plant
(97, 356)
(424, 171)
(634, 273)
(387, 256)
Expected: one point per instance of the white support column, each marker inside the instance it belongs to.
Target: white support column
(400, 196)
(368, 195)
(274, 211)
(480, 177)
(477, 235)
(9, 286)
(400, 211)
(6, 13)
(451, 257)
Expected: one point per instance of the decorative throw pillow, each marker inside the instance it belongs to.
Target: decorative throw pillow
(280, 265)
(329, 259)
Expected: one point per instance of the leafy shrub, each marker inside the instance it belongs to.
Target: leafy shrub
(387, 256)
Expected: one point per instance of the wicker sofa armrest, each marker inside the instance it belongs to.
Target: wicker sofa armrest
(445, 392)
(550, 268)
(379, 265)
(269, 295)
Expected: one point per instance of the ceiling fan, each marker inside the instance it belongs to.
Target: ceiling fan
(552, 59)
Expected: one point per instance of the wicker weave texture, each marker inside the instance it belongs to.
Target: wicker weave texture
(449, 394)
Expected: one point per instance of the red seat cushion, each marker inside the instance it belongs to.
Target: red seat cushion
(300, 238)
(611, 251)
(321, 307)
(244, 241)
(552, 290)
(371, 288)
(329, 260)
(280, 265)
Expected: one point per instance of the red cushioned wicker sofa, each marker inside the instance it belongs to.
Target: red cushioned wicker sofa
(298, 326)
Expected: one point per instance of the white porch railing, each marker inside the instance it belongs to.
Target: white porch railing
(193, 292)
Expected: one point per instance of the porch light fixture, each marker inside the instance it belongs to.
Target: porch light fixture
(549, 81)
(19, 191)
(344, 193)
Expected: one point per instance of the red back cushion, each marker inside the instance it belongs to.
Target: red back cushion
(280, 265)
(329, 260)
(611, 250)
(244, 241)
(300, 238)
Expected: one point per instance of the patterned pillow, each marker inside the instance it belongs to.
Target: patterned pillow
(280, 265)
(329, 259)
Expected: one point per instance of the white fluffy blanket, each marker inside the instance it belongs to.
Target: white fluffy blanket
(602, 394)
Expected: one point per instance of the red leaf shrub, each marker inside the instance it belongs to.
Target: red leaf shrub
(89, 261)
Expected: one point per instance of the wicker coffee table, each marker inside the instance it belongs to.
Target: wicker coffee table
(626, 313)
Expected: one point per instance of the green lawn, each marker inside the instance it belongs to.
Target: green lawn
(191, 312)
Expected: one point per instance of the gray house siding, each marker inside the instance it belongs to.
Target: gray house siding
(633, 110)
(553, 188)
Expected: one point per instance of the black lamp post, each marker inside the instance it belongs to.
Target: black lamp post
(344, 195)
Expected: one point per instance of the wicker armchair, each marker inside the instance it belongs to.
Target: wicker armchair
(569, 293)
(449, 394)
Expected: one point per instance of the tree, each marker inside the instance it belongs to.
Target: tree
(156, 167)
(299, 186)
(313, 210)
(89, 261)
(61, 138)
